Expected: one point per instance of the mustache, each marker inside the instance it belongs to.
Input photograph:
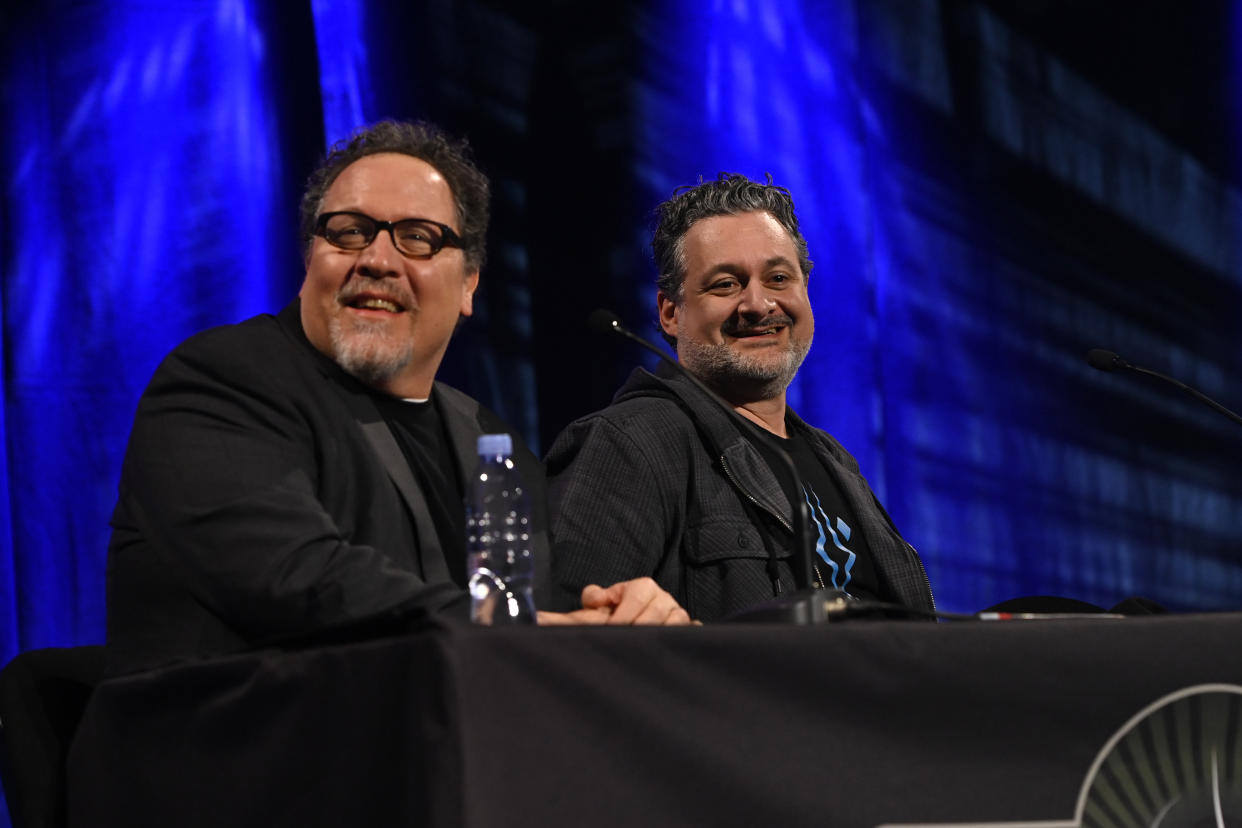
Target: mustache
(735, 327)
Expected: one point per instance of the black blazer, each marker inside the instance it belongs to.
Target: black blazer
(262, 496)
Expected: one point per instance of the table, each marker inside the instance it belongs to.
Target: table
(854, 723)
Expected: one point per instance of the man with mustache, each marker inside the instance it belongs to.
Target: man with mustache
(305, 471)
(666, 483)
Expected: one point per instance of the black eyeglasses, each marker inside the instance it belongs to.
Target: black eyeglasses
(414, 237)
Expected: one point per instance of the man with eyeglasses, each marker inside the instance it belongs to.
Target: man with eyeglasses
(304, 471)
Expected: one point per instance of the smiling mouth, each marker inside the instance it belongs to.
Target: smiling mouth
(758, 332)
(373, 303)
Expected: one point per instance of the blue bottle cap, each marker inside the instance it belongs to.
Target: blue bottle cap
(492, 444)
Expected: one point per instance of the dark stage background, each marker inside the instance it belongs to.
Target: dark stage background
(988, 189)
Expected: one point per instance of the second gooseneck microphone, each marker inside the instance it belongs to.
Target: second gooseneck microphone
(1109, 361)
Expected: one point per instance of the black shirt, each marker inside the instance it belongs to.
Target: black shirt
(842, 558)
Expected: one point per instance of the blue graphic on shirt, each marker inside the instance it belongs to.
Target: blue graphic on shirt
(841, 571)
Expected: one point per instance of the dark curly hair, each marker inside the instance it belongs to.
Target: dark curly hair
(451, 158)
(729, 194)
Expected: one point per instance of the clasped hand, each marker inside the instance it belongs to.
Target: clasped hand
(639, 601)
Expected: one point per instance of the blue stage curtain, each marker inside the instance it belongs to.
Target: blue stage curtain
(979, 213)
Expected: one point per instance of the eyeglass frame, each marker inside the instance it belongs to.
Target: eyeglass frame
(448, 236)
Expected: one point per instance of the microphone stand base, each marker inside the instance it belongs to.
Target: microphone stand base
(801, 607)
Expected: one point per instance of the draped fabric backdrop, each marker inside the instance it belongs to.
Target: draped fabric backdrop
(982, 201)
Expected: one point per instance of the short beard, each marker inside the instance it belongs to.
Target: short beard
(740, 378)
(366, 353)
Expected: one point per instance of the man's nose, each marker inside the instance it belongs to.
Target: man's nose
(755, 299)
(380, 258)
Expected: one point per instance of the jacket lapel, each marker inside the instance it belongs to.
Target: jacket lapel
(431, 556)
(366, 414)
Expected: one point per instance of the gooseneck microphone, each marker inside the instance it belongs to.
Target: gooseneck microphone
(1109, 361)
(605, 321)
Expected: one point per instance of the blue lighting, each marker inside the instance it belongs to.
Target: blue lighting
(344, 76)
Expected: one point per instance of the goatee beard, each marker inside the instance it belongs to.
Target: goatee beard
(368, 351)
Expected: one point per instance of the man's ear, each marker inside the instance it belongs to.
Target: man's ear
(667, 309)
(468, 286)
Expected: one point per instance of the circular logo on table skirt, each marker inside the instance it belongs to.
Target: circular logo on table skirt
(1175, 764)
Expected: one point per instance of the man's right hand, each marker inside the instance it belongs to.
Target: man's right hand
(638, 601)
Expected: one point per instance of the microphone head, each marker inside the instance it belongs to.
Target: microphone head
(604, 321)
(1104, 360)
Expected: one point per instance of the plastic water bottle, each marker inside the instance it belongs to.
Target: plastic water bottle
(500, 562)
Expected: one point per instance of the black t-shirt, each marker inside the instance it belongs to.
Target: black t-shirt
(842, 558)
(420, 432)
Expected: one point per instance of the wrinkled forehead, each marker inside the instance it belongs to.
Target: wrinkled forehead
(391, 186)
